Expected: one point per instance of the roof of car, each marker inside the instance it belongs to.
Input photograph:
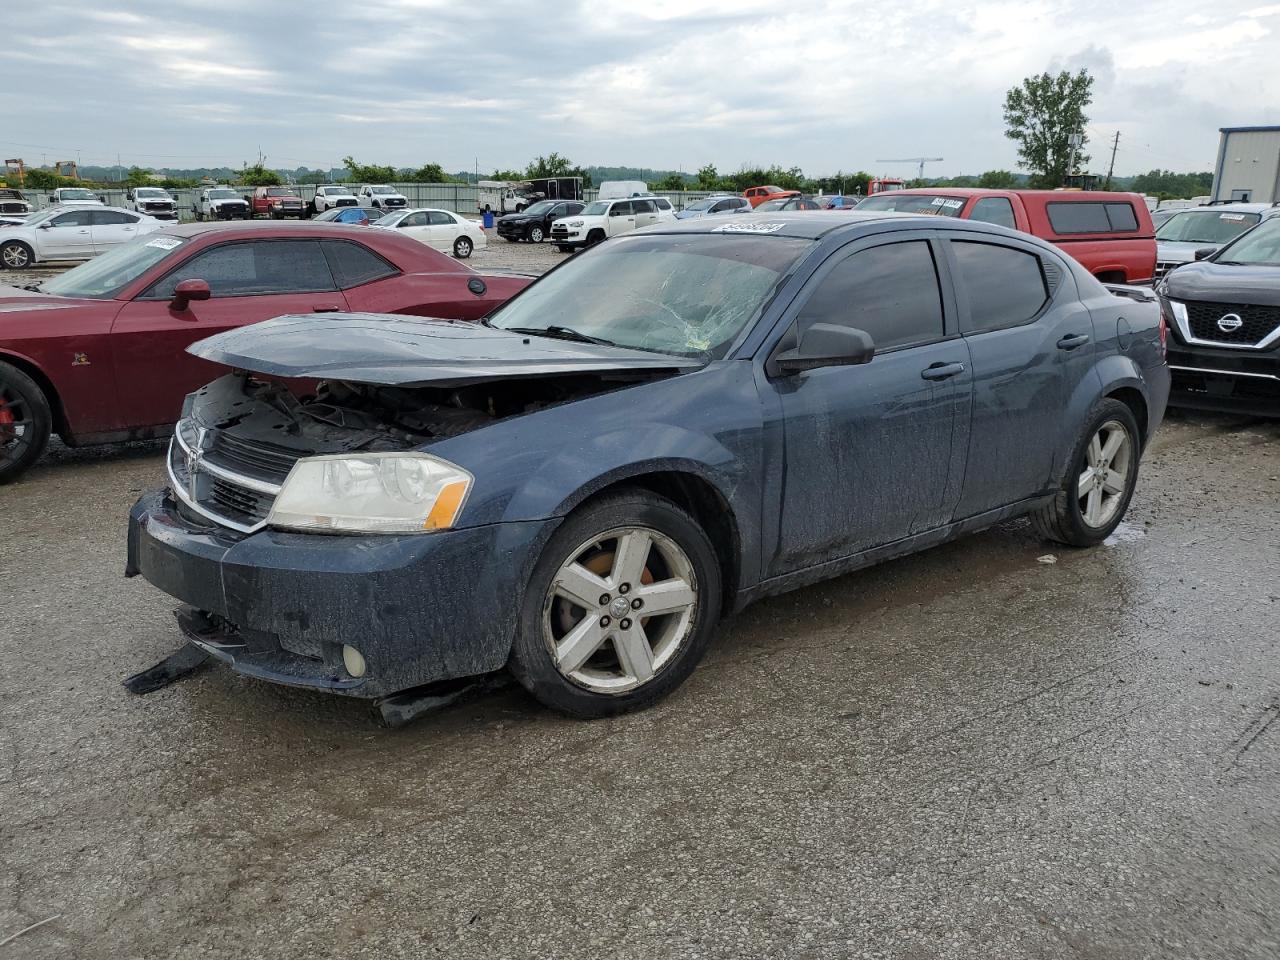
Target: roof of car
(983, 191)
(806, 224)
(1228, 208)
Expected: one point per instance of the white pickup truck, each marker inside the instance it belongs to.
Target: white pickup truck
(382, 197)
(330, 196)
(220, 203)
(75, 197)
(154, 202)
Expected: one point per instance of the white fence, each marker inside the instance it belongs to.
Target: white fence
(460, 197)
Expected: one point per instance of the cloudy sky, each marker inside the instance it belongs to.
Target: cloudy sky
(662, 83)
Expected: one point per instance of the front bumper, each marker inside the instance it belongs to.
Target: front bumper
(279, 606)
(517, 230)
(1225, 380)
(238, 212)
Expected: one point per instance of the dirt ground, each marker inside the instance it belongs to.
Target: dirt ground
(969, 753)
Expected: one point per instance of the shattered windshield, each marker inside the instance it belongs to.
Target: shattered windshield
(688, 295)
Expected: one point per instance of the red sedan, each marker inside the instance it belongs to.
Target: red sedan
(98, 354)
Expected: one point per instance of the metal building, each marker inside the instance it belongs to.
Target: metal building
(1248, 165)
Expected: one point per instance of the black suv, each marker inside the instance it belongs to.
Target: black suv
(1225, 308)
(534, 222)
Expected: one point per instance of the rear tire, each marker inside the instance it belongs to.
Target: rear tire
(631, 552)
(25, 422)
(1099, 480)
(462, 247)
(16, 255)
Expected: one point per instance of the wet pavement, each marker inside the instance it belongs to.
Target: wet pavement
(972, 752)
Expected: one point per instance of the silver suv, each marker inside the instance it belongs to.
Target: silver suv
(1204, 228)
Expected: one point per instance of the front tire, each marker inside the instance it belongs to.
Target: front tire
(535, 235)
(16, 255)
(1100, 479)
(621, 606)
(462, 247)
(25, 422)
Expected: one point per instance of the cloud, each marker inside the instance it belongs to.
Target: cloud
(669, 83)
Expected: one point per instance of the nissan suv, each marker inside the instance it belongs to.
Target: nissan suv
(1225, 353)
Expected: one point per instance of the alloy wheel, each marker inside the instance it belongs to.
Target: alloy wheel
(462, 248)
(15, 256)
(1101, 488)
(535, 235)
(619, 609)
(17, 426)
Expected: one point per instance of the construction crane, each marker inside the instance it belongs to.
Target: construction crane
(16, 166)
(920, 160)
(67, 168)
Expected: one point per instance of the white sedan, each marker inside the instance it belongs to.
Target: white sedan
(442, 229)
(71, 233)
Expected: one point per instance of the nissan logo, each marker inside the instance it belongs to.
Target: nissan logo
(1230, 322)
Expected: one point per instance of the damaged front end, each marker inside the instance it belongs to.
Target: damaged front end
(382, 608)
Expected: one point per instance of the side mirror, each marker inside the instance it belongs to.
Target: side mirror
(52, 198)
(1204, 253)
(189, 290)
(826, 345)
(45, 226)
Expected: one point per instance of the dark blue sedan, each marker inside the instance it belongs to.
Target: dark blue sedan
(659, 431)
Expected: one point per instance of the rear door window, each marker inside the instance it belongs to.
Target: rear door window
(1005, 286)
(353, 263)
(102, 218)
(890, 291)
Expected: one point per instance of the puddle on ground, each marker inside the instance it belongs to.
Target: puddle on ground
(1125, 533)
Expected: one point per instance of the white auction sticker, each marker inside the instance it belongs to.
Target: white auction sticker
(750, 228)
(164, 243)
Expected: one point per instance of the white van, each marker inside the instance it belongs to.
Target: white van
(621, 189)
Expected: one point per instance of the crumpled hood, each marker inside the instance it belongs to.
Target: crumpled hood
(409, 351)
(1220, 283)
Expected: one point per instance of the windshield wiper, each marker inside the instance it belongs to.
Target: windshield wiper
(562, 333)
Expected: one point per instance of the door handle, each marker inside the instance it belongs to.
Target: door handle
(1073, 340)
(333, 308)
(941, 371)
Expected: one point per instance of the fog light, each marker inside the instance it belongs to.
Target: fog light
(353, 660)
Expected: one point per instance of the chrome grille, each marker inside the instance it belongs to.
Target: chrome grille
(1256, 323)
(201, 477)
(1164, 266)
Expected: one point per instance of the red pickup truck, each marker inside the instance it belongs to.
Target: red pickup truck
(758, 195)
(277, 203)
(1110, 233)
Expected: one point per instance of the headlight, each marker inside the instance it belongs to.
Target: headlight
(371, 493)
(575, 223)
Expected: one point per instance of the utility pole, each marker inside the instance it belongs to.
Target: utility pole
(1074, 141)
(1110, 169)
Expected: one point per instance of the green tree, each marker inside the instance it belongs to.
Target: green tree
(708, 177)
(258, 175)
(1041, 115)
(672, 181)
(369, 173)
(554, 165)
(998, 180)
(429, 173)
(1173, 185)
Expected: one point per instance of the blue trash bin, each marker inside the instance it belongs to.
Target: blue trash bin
(488, 219)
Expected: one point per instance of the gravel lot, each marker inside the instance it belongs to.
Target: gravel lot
(969, 753)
